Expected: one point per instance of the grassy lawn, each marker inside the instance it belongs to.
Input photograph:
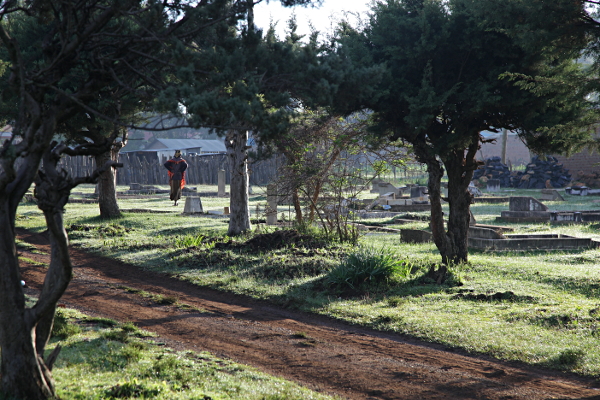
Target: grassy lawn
(541, 308)
(104, 359)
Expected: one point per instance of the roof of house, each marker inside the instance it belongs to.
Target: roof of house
(495, 135)
(6, 132)
(183, 144)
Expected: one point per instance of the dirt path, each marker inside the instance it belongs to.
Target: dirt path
(318, 352)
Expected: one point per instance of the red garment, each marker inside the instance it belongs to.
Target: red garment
(176, 166)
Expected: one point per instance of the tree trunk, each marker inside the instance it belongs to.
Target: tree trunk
(297, 206)
(239, 206)
(23, 372)
(440, 238)
(459, 165)
(459, 200)
(107, 184)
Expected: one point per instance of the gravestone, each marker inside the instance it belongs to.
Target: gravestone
(386, 187)
(417, 191)
(415, 236)
(551, 195)
(375, 182)
(271, 209)
(526, 204)
(193, 205)
(526, 209)
(493, 185)
(399, 202)
(221, 183)
(484, 233)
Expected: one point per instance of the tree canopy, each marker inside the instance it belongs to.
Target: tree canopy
(446, 81)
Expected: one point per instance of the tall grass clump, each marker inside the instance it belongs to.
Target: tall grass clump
(189, 241)
(63, 326)
(368, 266)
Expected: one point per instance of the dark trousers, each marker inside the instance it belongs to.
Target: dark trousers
(175, 190)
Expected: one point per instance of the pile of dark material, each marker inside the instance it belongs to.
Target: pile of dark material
(590, 179)
(541, 174)
(493, 169)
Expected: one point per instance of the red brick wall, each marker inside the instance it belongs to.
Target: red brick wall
(518, 154)
(583, 161)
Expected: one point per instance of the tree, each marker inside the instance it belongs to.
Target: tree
(443, 87)
(65, 58)
(260, 83)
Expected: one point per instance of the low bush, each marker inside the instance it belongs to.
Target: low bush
(368, 266)
(63, 327)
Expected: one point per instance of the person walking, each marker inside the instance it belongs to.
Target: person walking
(176, 167)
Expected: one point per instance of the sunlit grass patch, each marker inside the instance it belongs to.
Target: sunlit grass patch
(101, 361)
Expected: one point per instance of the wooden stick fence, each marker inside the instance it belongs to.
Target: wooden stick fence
(202, 169)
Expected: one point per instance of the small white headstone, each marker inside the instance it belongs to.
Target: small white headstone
(193, 205)
(221, 183)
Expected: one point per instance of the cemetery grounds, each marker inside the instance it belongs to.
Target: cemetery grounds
(507, 325)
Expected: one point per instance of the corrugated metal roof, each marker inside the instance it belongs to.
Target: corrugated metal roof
(6, 132)
(495, 135)
(182, 144)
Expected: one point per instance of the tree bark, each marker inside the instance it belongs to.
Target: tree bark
(22, 370)
(107, 184)
(239, 205)
(459, 165)
(297, 205)
(459, 199)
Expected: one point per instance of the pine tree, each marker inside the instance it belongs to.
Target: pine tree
(447, 80)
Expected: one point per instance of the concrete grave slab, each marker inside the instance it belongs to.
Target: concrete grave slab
(497, 228)
(574, 217)
(484, 233)
(472, 220)
(399, 202)
(526, 204)
(490, 199)
(551, 195)
(386, 187)
(415, 236)
(556, 242)
(418, 192)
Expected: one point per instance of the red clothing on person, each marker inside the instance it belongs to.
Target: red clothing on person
(176, 167)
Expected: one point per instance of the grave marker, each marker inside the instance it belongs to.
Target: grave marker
(271, 209)
(193, 205)
(221, 183)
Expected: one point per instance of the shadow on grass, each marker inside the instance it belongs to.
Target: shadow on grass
(319, 292)
(180, 231)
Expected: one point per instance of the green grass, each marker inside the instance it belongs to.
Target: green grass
(541, 308)
(102, 359)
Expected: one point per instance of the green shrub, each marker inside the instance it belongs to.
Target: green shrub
(132, 388)
(368, 265)
(133, 352)
(570, 358)
(63, 327)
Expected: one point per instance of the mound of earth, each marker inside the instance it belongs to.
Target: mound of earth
(276, 240)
